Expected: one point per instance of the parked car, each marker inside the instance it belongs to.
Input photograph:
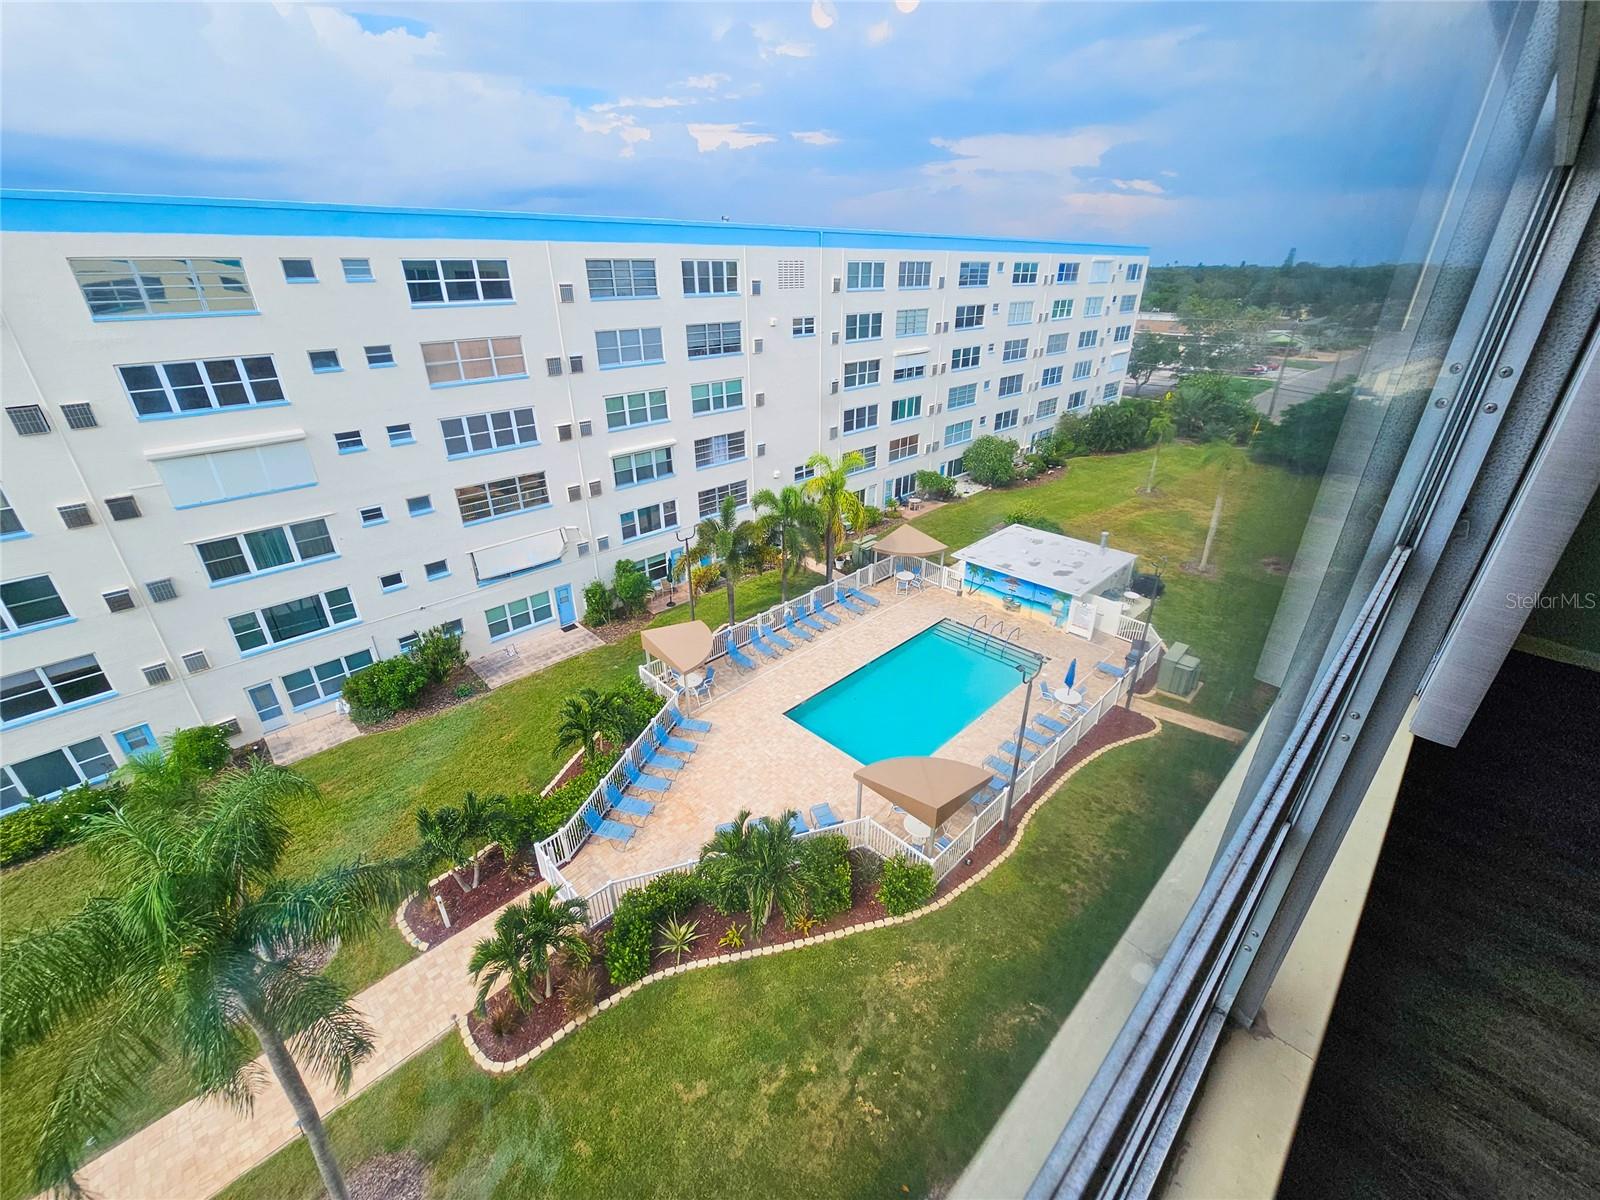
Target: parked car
(1257, 369)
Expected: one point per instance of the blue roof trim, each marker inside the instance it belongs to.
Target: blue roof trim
(23, 211)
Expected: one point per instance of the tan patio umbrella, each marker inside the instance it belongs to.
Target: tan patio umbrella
(930, 789)
(911, 542)
(682, 647)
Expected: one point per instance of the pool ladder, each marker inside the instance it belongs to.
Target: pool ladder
(994, 643)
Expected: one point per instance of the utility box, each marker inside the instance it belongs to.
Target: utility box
(1179, 674)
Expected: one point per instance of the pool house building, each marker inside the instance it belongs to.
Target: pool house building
(1076, 584)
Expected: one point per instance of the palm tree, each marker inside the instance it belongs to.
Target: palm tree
(830, 487)
(1161, 428)
(1223, 453)
(759, 858)
(728, 540)
(527, 938)
(195, 950)
(793, 522)
(453, 835)
(585, 718)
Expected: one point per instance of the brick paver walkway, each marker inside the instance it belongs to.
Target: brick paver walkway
(1177, 716)
(198, 1149)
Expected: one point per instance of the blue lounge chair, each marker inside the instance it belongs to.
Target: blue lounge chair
(798, 823)
(859, 597)
(1010, 747)
(703, 688)
(849, 605)
(789, 623)
(943, 842)
(819, 609)
(778, 640)
(645, 783)
(1045, 693)
(615, 830)
(676, 745)
(1110, 669)
(822, 816)
(805, 618)
(692, 724)
(1031, 734)
(631, 805)
(739, 658)
(760, 643)
(999, 767)
(1050, 723)
(725, 827)
(653, 758)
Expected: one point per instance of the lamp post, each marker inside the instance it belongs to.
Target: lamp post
(1157, 565)
(1016, 757)
(688, 570)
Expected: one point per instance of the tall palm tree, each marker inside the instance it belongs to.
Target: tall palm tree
(793, 522)
(195, 950)
(585, 718)
(527, 938)
(830, 487)
(728, 540)
(1161, 428)
(759, 858)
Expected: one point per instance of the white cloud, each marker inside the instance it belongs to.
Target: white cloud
(773, 44)
(907, 6)
(1168, 174)
(625, 125)
(815, 137)
(1149, 186)
(879, 33)
(708, 82)
(726, 137)
(823, 13)
(982, 158)
(640, 102)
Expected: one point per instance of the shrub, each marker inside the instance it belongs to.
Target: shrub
(991, 460)
(866, 868)
(639, 913)
(506, 1021)
(597, 603)
(1209, 407)
(635, 706)
(824, 870)
(529, 817)
(1027, 514)
(47, 824)
(580, 992)
(678, 937)
(199, 751)
(463, 690)
(905, 885)
(438, 653)
(935, 486)
(1303, 440)
(631, 587)
(705, 578)
(377, 692)
(732, 938)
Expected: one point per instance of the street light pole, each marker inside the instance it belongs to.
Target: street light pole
(1016, 757)
(688, 570)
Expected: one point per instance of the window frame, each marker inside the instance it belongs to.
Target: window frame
(242, 364)
(248, 553)
(418, 283)
(853, 274)
(613, 290)
(137, 281)
(501, 429)
(488, 501)
(326, 607)
(625, 408)
(699, 276)
(494, 354)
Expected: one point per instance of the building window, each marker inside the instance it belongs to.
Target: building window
(1005, 420)
(510, 618)
(419, 506)
(31, 601)
(652, 518)
(1109, 392)
(1010, 385)
(457, 280)
(861, 374)
(1067, 272)
(910, 371)
(1076, 399)
(642, 466)
(473, 360)
(911, 322)
(52, 686)
(324, 361)
(636, 408)
(373, 515)
(1060, 309)
(628, 347)
(916, 273)
(905, 408)
(804, 472)
(324, 681)
(1088, 338)
(804, 327)
(400, 435)
(969, 316)
(393, 582)
(356, 270)
(710, 500)
(1050, 377)
(293, 619)
(867, 459)
(349, 442)
(710, 277)
(379, 356)
(619, 278)
(1014, 349)
(719, 449)
(501, 497)
(1118, 362)
(141, 739)
(1020, 312)
(10, 524)
(1057, 343)
(268, 549)
(1128, 304)
(1024, 272)
(162, 287)
(957, 433)
(436, 570)
(902, 448)
(713, 339)
(480, 433)
(161, 389)
(298, 270)
(1083, 368)
(1093, 306)
(1134, 271)
(964, 358)
(963, 396)
(1100, 271)
(973, 274)
(863, 276)
(719, 396)
(1047, 408)
(1122, 333)
(48, 775)
(860, 418)
(862, 327)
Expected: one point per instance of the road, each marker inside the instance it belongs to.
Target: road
(1295, 387)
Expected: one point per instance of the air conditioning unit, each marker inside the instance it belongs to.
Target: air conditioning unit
(933, 447)
(595, 487)
(761, 399)
(836, 283)
(161, 590)
(583, 549)
(585, 428)
(79, 416)
(122, 508)
(157, 673)
(833, 387)
(835, 337)
(564, 433)
(1027, 420)
(574, 491)
(760, 343)
(118, 601)
(196, 661)
(75, 516)
(229, 726)
(602, 543)
(935, 410)
(761, 449)
(575, 363)
(755, 287)
(941, 281)
(552, 366)
(566, 292)
(833, 433)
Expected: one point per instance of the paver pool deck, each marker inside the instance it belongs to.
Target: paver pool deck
(755, 757)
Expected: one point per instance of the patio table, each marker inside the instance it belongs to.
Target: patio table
(1068, 696)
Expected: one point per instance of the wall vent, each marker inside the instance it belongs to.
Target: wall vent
(28, 419)
(833, 387)
(552, 366)
(835, 337)
(833, 433)
(761, 449)
(602, 543)
(161, 590)
(123, 508)
(761, 399)
(76, 516)
(564, 433)
(760, 344)
(118, 601)
(574, 491)
(196, 661)
(79, 416)
(585, 428)
(575, 363)
(755, 287)
(595, 487)
(791, 273)
(836, 283)
(566, 292)
(583, 549)
(157, 673)
(941, 281)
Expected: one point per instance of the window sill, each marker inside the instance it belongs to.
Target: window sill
(717, 412)
(381, 366)
(455, 383)
(614, 299)
(439, 576)
(271, 571)
(243, 312)
(352, 449)
(398, 587)
(421, 512)
(858, 387)
(297, 282)
(317, 703)
(327, 370)
(22, 630)
(639, 483)
(208, 412)
(694, 358)
(648, 362)
(711, 295)
(18, 536)
(511, 633)
(461, 303)
(645, 537)
(492, 450)
(295, 641)
(395, 445)
(727, 462)
(19, 722)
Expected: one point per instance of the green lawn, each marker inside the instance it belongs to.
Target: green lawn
(1224, 616)
(873, 1066)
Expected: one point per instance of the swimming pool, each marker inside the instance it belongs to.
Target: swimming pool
(914, 698)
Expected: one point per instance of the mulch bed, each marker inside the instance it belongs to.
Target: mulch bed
(401, 1176)
(545, 1018)
(436, 697)
(496, 886)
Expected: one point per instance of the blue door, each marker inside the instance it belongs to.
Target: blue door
(564, 606)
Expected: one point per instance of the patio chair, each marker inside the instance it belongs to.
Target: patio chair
(789, 623)
(943, 842)
(1030, 734)
(1111, 669)
(645, 783)
(760, 643)
(798, 823)
(805, 618)
(1045, 694)
(616, 831)
(999, 766)
(818, 609)
(677, 745)
(989, 794)
(849, 605)
(823, 816)
(705, 686)
(859, 597)
(631, 805)
(694, 725)
(739, 658)
(778, 640)
(1010, 747)
(1050, 723)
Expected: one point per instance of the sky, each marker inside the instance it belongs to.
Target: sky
(1212, 133)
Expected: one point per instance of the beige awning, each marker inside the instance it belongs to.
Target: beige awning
(682, 647)
(910, 541)
(930, 789)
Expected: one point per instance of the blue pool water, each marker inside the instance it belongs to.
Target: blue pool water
(909, 700)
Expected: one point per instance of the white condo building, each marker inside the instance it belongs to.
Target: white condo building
(250, 447)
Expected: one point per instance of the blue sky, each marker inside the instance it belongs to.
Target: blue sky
(1216, 133)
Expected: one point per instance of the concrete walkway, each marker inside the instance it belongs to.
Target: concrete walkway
(1177, 716)
(197, 1150)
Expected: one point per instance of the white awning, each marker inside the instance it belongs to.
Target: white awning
(518, 554)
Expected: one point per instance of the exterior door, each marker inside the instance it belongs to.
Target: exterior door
(268, 710)
(564, 609)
